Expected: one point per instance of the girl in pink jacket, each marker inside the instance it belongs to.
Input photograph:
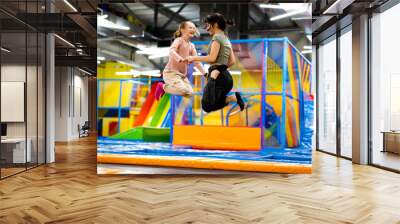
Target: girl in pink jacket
(175, 72)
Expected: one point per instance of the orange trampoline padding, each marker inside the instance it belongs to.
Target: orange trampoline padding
(217, 137)
(204, 163)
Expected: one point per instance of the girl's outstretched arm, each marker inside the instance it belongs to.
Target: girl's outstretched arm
(211, 58)
(198, 65)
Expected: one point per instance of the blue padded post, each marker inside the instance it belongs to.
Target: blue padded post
(171, 129)
(283, 117)
(263, 89)
(119, 106)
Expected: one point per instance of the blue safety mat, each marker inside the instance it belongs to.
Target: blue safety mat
(289, 155)
(299, 155)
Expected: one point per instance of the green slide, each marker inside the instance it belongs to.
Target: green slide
(161, 111)
(153, 132)
(147, 134)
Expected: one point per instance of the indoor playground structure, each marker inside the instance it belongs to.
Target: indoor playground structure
(273, 133)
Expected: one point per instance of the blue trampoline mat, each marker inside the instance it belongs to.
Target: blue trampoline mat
(125, 147)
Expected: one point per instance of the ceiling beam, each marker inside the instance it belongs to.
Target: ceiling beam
(173, 17)
(166, 12)
(130, 12)
(81, 61)
(86, 27)
(155, 16)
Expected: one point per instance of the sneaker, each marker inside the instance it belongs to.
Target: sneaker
(240, 101)
(159, 91)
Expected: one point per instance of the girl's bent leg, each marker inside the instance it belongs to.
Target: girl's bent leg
(175, 85)
(208, 101)
(214, 74)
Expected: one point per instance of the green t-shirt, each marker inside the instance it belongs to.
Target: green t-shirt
(224, 50)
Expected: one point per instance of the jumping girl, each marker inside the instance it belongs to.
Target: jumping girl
(175, 72)
(220, 56)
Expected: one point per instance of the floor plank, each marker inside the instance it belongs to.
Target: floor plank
(69, 191)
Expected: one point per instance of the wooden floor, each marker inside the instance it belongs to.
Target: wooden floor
(69, 191)
(10, 171)
(386, 159)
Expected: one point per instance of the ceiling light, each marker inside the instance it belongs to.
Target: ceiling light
(155, 73)
(331, 7)
(153, 50)
(302, 18)
(104, 22)
(86, 72)
(290, 13)
(306, 51)
(5, 49)
(270, 6)
(70, 5)
(129, 43)
(101, 58)
(136, 73)
(308, 47)
(64, 40)
(124, 73)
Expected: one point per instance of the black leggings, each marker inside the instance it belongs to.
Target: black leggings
(216, 90)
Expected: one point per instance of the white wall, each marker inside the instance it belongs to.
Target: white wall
(71, 102)
(12, 73)
(62, 81)
(80, 109)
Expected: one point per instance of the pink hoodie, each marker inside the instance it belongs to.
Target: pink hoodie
(179, 50)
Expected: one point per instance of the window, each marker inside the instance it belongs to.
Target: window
(385, 89)
(346, 93)
(22, 77)
(327, 96)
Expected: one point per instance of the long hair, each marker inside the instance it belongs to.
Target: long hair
(217, 18)
(182, 25)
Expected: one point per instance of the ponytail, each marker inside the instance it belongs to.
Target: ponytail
(178, 32)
